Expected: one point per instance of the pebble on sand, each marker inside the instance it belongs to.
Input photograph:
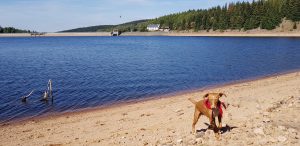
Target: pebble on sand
(282, 138)
(281, 127)
(266, 120)
(259, 131)
(179, 141)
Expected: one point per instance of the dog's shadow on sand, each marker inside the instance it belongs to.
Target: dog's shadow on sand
(223, 129)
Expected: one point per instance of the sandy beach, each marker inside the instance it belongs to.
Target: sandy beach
(261, 112)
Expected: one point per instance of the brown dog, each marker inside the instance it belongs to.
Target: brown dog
(210, 106)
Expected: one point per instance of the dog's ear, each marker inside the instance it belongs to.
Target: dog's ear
(222, 94)
(206, 95)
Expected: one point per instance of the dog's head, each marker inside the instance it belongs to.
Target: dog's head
(213, 99)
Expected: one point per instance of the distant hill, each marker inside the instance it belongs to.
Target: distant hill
(90, 28)
(134, 25)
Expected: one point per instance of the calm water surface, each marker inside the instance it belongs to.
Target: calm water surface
(95, 71)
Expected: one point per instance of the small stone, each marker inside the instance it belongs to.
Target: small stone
(263, 142)
(208, 132)
(40, 136)
(292, 130)
(259, 131)
(266, 120)
(145, 143)
(199, 140)
(236, 105)
(282, 138)
(179, 114)
(199, 134)
(258, 107)
(281, 127)
(235, 137)
(273, 140)
(266, 114)
(179, 110)
(249, 142)
(244, 125)
(179, 141)
(192, 142)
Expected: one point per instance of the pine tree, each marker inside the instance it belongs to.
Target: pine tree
(294, 10)
(266, 14)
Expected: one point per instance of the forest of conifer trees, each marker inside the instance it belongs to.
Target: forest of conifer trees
(266, 14)
(13, 30)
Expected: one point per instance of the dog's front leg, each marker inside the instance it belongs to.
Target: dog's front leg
(220, 122)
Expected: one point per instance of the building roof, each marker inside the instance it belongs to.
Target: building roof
(153, 25)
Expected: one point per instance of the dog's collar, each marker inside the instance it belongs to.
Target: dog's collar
(207, 104)
(219, 105)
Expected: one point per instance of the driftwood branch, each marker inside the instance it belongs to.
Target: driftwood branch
(24, 98)
(48, 92)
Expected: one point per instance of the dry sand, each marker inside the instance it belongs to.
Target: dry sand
(261, 112)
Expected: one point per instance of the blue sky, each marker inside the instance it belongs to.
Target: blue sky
(56, 15)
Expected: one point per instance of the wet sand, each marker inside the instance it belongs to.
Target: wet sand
(261, 112)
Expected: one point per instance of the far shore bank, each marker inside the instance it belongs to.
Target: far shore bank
(54, 34)
(261, 111)
(216, 34)
(204, 34)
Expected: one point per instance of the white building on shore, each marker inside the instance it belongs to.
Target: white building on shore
(153, 27)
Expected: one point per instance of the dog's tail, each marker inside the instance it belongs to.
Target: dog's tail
(192, 100)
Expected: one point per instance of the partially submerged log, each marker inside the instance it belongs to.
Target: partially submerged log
(24, 98)
(50, 88)
(45, 96)
(48, 93)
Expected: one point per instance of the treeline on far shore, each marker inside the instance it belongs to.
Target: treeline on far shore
(14, 30)
(264, 14)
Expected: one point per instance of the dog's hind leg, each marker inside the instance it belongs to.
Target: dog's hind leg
(197, 115)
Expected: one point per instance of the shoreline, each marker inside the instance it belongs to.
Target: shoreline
(179, 34)
(54, 115)
(255, 117)
(216, 34)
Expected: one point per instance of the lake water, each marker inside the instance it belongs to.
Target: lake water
(96, 71)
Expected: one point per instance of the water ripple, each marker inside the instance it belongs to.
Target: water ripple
(95, 71)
